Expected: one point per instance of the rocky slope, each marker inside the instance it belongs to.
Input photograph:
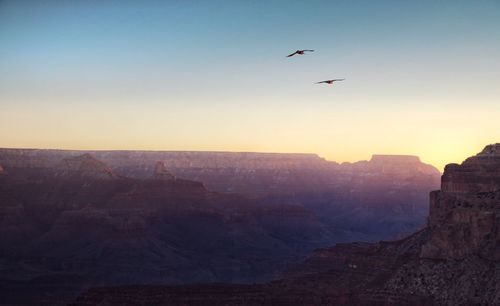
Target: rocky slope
(454, 260)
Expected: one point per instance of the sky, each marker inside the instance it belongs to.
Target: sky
(422, 77)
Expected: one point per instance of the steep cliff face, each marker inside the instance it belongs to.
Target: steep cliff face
(465, 214)
(480, 173)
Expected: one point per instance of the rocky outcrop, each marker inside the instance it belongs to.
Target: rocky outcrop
(161, 172)
(465, 214)
(480, 173)
(464, 225)
(85, 166)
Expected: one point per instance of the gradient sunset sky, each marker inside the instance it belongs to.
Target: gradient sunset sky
(422, 77)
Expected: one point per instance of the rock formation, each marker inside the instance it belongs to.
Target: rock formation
(480, 173)
(84, 166)
(161, 172)
(401, 164)
(465, 214)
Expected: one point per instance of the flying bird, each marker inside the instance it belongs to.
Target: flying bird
(299, 52)
(329, 81)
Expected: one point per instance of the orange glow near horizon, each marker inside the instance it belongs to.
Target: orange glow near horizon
(438, 137)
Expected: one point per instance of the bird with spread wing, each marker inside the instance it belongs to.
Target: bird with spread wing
(329, 81)
(299, 52)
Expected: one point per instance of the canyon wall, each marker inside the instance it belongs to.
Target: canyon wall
(465, 213)
(381, 198)
(255, 175)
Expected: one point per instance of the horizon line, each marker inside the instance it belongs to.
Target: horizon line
(214, 151)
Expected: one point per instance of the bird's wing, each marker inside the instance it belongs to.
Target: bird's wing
(320, 82)
(309, 50)
(292, 54)
(338, 80)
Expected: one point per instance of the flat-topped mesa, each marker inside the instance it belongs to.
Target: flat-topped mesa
(464, 215)
(85, 166)
(480, 173)
(397, 164)
(161, 172)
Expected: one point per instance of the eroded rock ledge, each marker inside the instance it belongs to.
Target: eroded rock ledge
(465, 214)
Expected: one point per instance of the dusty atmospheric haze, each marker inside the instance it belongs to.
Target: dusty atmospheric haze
(249, 152)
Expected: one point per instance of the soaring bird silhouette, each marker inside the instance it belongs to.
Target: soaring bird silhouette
(299, 52)
(329, 81)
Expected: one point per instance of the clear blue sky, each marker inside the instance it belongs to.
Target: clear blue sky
(422, 77)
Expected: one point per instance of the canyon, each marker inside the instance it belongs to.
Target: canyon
(453, 260)
(71, 220)
(367, 200)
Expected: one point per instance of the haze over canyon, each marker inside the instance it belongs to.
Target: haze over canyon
(453, 260)
(71, 220)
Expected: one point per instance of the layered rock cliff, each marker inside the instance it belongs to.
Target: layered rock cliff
(480, 173)
(252, 174)
(465, 213)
